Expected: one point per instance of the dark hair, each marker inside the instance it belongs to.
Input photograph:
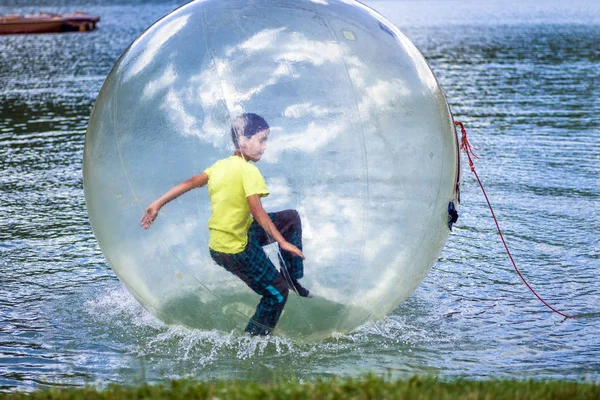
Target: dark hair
(247, 124)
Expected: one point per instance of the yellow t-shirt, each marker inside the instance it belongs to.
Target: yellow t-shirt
(230, 181)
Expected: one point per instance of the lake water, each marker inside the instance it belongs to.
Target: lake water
(524, 76)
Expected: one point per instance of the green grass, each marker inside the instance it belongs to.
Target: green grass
(369, 387)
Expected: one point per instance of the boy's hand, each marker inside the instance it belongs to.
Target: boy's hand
(149, 216)
(287, 246)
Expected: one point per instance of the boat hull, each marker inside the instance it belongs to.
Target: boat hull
(47, 23)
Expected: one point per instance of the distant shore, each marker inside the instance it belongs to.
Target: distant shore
(368, 387)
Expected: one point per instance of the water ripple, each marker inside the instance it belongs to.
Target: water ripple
(523, 79)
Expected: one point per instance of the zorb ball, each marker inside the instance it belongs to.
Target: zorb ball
(362, 145)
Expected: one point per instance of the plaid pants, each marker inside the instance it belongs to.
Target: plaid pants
(254, 267)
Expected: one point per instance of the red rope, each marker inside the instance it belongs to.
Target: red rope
(466, 146)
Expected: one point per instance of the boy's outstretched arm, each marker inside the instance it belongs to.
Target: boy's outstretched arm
(261, 216)
(195, 181)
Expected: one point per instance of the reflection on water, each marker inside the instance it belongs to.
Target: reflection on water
(524, 82)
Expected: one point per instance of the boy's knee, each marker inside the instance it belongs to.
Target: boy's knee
(291, 217)
(294, 215)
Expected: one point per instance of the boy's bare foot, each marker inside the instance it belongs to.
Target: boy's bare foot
(301, 290)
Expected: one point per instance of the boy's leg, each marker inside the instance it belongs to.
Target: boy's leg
(254, 267)
(288, 223)
(269, 308)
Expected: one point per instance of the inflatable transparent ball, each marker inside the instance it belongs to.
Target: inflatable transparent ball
(362, 145)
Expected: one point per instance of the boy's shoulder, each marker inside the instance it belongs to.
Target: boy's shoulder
(223, 161)
(233, 163)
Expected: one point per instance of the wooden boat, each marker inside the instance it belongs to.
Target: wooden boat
(47, 22)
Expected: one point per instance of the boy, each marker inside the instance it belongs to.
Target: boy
(235, 187)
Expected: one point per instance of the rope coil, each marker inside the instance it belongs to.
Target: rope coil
(469, 150)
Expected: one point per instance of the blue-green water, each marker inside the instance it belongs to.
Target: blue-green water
(523, 75)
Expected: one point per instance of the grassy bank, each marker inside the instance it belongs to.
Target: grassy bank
(370, 387)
